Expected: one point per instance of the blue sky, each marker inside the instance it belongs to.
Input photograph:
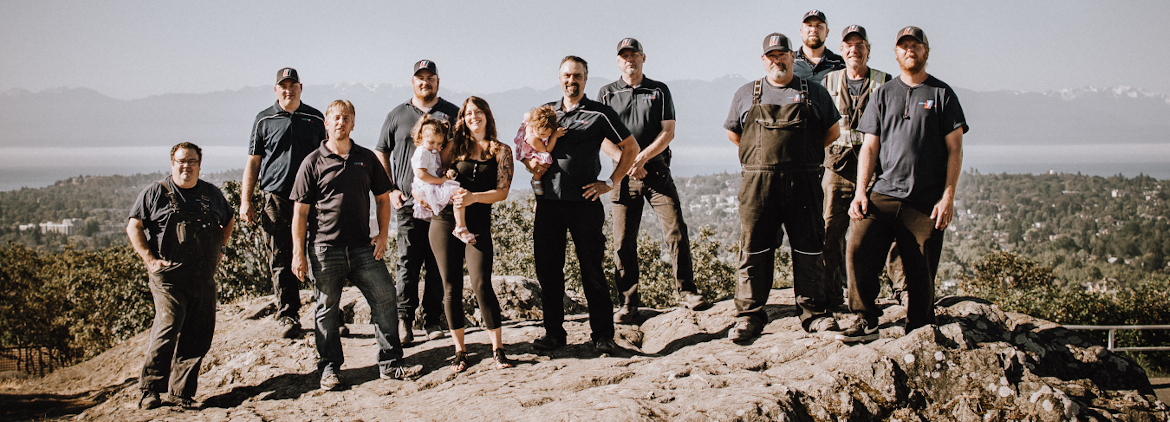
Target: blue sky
(134, 49)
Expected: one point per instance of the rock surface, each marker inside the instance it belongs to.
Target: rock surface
(978, 364)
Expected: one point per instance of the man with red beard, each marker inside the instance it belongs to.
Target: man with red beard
(913, 129)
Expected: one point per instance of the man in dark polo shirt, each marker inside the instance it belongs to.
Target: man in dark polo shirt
(571, 189)
(782, 124)
(813, 60)
(913, 129)
(394, 150)
(332, 194)
(647, 109)
(281, 138)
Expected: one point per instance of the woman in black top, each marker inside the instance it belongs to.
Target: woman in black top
(484, 168)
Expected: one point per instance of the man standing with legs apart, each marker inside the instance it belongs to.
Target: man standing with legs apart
(782, 125)
(914, 130)
(281, 138)
(571, 190)
(332, 194)
(813, 60)
(178, 226)
(647, 109)
(395, 147)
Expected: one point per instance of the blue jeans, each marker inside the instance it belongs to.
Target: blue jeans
(332, 265)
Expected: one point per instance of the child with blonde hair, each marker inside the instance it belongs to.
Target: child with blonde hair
(536, 139)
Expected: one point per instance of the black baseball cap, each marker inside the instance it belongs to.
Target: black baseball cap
(854, 29)
(630, 44)
(287, 73)
(776, 41)
(426, 64)
(815, 14)
(912, 31)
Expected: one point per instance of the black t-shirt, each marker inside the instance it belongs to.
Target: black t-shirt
(339, 190)
(913, 158)
(153, 207)
(396, 143)
(822, 104)
(283, 139)
(802, 67)
(575, 160)
(642, 108)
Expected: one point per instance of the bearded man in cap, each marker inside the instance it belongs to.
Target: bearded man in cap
(813, 59)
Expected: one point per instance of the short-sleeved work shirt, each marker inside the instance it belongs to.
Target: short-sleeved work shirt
(153, 207)
(575, 160)
(339, 190)
(822, 104)
(282, 140)
(912, 123)
(642, 108)
(395, 141)
(803, 67)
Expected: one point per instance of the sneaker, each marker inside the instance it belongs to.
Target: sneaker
(548, 342)
(149, 400)
(434, 332)
(537, 187)
(604, 346)
(329, 381)
(183, 402)
(745, 329)
(863, 330)
(290, 328)
(693, 301)
(823, 324)
(625, 315)
(399, 372)
(406, 331)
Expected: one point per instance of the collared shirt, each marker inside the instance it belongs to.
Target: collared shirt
(802, 67)
(396, 143)
(642, 108)
(339, 190)
(575, 160)
(282, 140)
(912, 123)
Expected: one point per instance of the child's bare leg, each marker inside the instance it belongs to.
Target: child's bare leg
(461, 231)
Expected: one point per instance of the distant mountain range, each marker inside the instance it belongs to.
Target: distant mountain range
(83, 117)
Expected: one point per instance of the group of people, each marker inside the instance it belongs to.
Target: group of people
(439, 167)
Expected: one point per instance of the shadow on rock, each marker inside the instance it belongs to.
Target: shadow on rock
(286, 386)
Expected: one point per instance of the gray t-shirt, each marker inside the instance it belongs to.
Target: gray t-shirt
(395, 141)
(822, 104)
(912, 162)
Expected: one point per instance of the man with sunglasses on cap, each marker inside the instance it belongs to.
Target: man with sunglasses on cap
(813, 60)
(782, 124)
(913, 129)
(395, 147)
(281, 138)
(647, 109)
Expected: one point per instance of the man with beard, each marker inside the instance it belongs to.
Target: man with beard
(782, 125)
(913, 129)
(395, 147)
(813, 60)
(281, 138)
(571, 190)
(851, 89)
(647, 109)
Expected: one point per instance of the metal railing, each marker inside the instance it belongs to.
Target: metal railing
(1112, 335)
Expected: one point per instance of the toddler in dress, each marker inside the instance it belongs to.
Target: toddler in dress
(536, 139)
(430, 142)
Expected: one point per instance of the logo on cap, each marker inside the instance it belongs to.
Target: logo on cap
(423, 64)
(852, 28)
(774, 40)
(287, 72)
(814, 12)
(626, 42)
(908, 31)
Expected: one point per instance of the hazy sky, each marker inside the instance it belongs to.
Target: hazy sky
(133, 49)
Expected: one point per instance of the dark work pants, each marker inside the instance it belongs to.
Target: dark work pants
(839, 192)
(768, 201)
(919, 245)
(583, 220)
(276, 220)
(659, 190)
(184, 321)
(414, 251)
(450, 253)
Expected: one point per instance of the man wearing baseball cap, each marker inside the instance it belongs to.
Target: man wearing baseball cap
(281, 138)
(851, 89)
(813, 60)
(782, 124)
(913, 129)
(647, 109)
(395, 147)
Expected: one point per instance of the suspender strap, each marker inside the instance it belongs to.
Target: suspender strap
(757, 91)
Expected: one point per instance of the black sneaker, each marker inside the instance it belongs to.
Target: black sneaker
(549, 343)
(289, 327)
(149, 400)
(745, 329)
(862, 331)
(399, 372)
(604, 346)
(625, 315)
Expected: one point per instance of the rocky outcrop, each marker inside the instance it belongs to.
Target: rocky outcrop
(977, 364)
